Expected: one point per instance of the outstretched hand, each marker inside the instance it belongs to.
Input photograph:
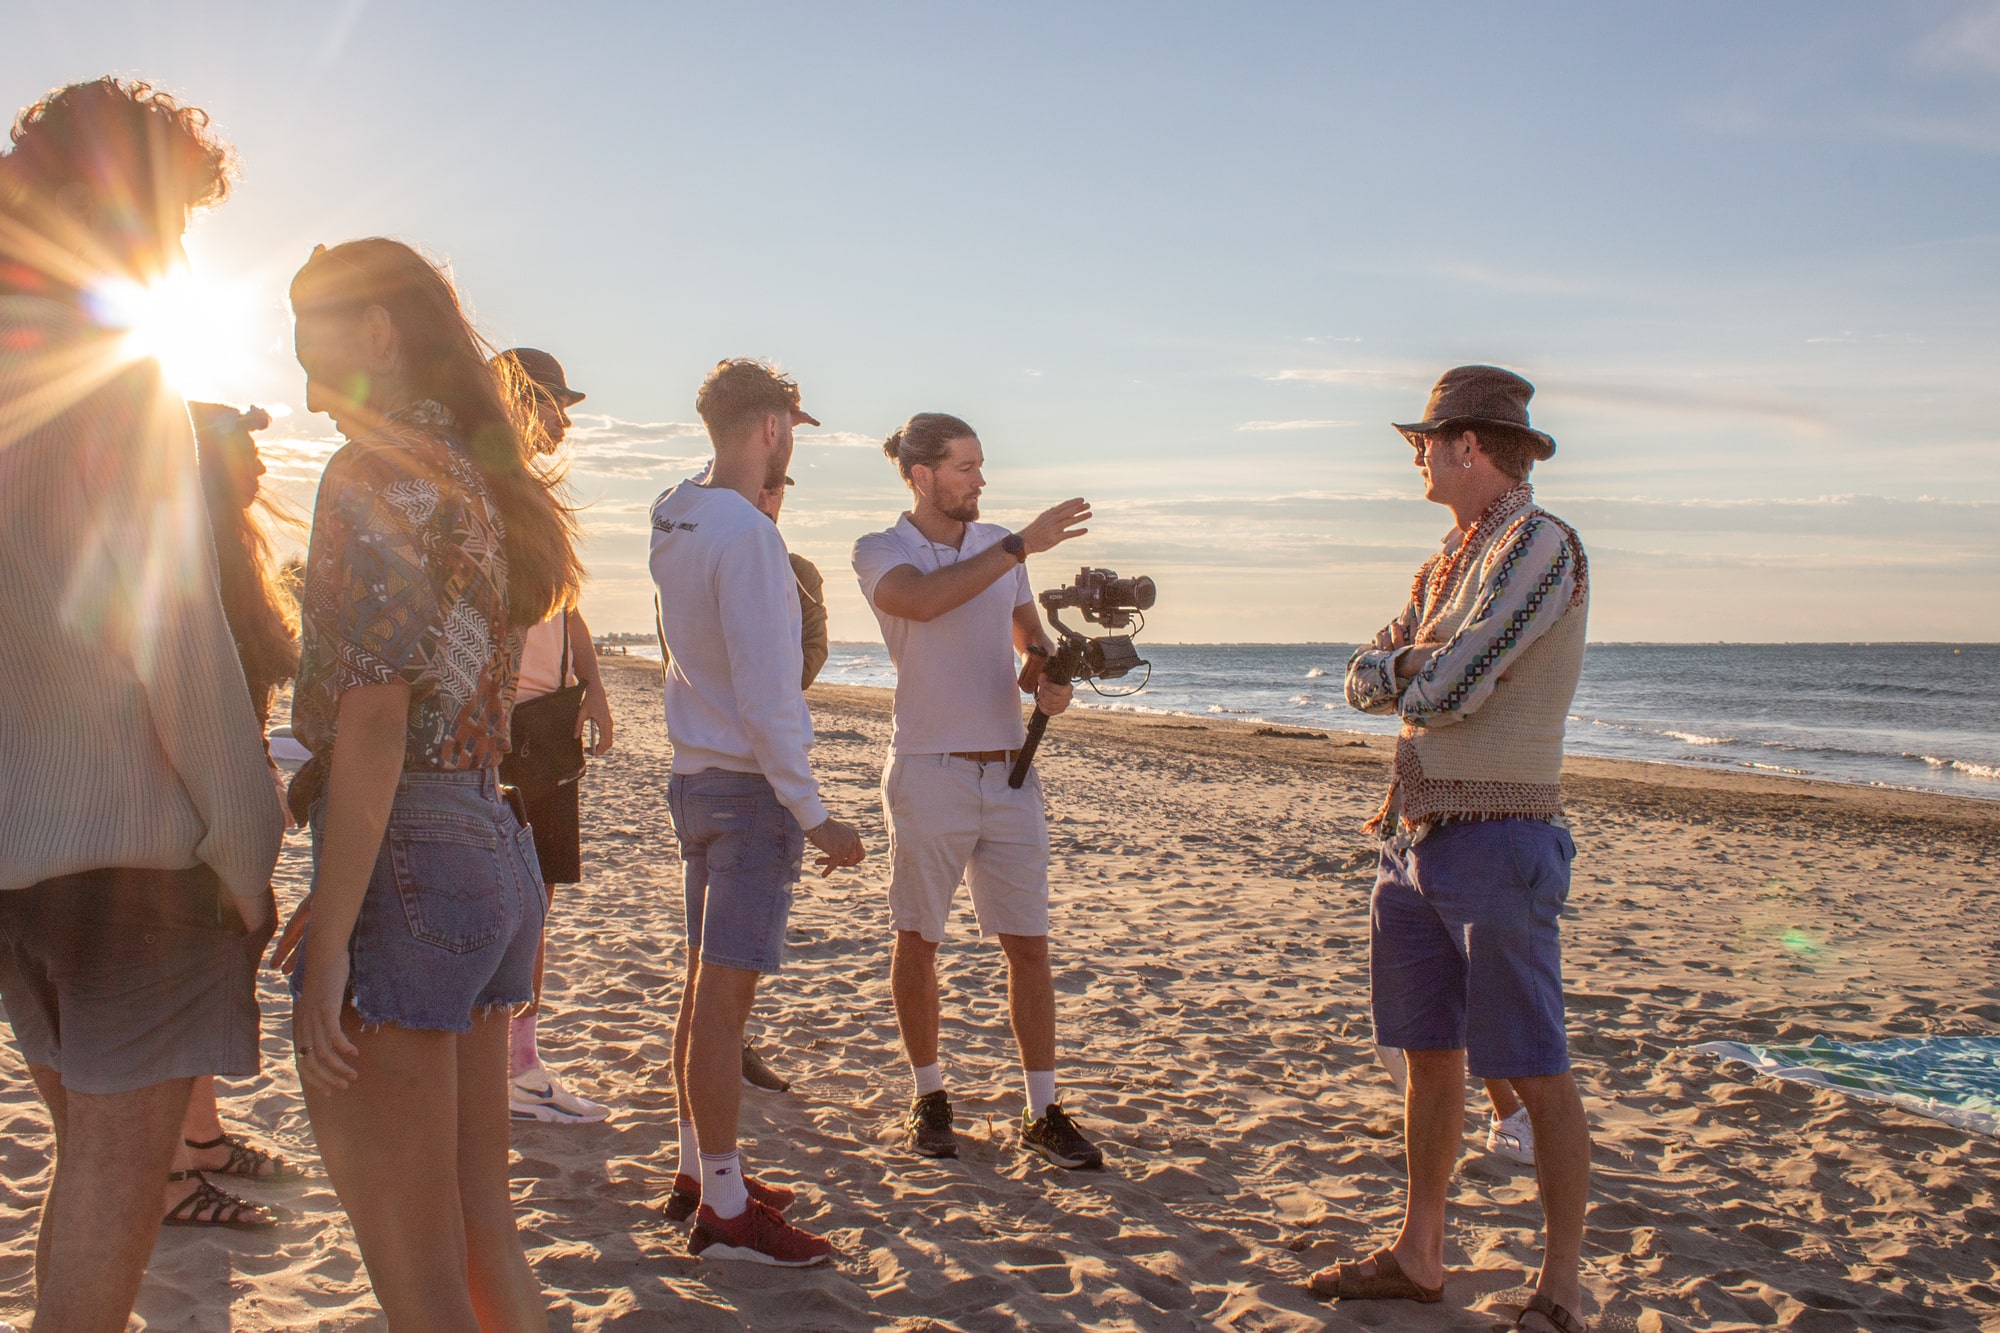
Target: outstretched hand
(1055, 525)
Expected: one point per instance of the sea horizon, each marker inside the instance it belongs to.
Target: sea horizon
(1902, 715)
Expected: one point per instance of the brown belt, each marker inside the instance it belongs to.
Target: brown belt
(986, 756)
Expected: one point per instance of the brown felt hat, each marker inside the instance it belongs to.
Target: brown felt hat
(1468, 397)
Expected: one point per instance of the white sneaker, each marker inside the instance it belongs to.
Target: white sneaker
(1513, 1138)
(534, 1094)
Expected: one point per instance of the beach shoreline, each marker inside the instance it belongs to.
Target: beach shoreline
(1210, 949)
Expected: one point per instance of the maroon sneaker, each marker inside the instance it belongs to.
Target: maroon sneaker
(757, 1235)
(687, 1196)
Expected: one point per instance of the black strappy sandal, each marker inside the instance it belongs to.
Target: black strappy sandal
(246, 1161)
(208, 1206)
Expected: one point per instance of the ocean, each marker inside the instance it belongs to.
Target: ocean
(1917, 716)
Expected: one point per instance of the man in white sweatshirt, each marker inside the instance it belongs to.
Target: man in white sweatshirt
(741, 790)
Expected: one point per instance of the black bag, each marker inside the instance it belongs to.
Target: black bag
(547, 752)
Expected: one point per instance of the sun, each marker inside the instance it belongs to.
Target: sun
(196, 328)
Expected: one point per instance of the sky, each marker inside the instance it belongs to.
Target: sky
(1186, 260)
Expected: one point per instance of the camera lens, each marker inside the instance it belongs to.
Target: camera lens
(1139, 593)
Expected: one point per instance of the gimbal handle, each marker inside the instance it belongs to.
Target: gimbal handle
(1057, 670)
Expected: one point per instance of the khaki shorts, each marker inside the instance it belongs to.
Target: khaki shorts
(956, 819)
(120, 979)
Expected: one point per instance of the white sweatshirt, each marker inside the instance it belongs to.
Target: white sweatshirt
(729, 613)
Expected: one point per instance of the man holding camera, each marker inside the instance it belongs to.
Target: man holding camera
(1465, 954)
(953, 600)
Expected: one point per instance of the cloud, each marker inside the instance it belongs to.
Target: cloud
(841, 439)
(600, 445)
(1373, 377)
(1968, 41)
(1689, 398)
(1295, 425)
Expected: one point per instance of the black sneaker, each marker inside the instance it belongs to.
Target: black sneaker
(759, 1075)
(929, 1123)
(1056, 1137)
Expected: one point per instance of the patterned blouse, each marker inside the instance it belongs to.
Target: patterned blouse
(406, 579)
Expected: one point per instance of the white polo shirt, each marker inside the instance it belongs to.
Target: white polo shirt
(956, 689)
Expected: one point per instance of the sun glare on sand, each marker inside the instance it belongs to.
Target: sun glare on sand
(195, 327)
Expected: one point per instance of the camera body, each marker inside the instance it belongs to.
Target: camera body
(1102, 597)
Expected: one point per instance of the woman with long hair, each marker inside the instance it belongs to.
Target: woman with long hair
(434, 547)
(262, 614)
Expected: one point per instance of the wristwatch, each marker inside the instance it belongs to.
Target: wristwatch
(1013, 545)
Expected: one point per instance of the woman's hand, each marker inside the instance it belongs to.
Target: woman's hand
(596, 709)
(284, 952)
(319, 1044)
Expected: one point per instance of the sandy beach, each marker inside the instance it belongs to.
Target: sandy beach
(1211, 965)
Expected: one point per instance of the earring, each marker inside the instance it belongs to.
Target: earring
(1467, 464)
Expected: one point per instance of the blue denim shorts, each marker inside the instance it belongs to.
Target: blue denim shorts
(740, 852)
(1464, 949)
(452, 918)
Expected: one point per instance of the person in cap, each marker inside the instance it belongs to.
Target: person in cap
(813, 648)
(1464, 954)
(741, 790)
(559, 674)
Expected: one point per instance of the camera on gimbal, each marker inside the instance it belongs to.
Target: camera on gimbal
(1103, 599)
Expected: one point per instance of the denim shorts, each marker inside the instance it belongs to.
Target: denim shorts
(452, 918)
(740, 853)
(1463, 945)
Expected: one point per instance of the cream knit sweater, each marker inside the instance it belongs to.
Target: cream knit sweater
(1483, 721)
(127, 737)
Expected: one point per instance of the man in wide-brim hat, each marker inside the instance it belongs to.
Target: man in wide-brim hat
(1464, 956)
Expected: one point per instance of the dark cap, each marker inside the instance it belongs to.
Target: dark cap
(1469, 397)
(546, 372)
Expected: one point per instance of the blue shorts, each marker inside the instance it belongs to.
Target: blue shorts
(452, 919)
(741, 851)
(1463, 949)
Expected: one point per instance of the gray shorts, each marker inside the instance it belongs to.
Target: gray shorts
(120, 979)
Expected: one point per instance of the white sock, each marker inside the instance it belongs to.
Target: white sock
(930, 1078)
(722, 1184)
(1041, 1091)
(690, 1152)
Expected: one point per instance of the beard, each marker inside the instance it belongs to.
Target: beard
(962, 511)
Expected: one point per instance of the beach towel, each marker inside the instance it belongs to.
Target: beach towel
(1953, 1079)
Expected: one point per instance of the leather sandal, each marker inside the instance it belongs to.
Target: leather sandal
(1346, 1282)
(246, 1161)
(1565, 1321)
(208, 1206)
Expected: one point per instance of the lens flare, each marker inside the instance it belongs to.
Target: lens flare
(195, 328)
